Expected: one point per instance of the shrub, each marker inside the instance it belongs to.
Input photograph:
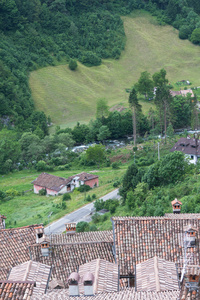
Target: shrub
(66, 197)
(115, 165)
(41, 166)
(12, 193)
(96, 218)
(116, 183)
(42, 192)
(99, 204)
(94, 196)
(84, 188)
(93, 228)
(82, 226)
(88, 198)
(64, 205)
(73, 64)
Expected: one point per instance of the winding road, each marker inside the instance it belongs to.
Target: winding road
(81, 214)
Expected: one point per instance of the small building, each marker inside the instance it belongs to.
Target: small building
(190, 147)
(176, 205)
(182, 93)
(55, 185)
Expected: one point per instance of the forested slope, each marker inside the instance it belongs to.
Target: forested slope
(38, 33)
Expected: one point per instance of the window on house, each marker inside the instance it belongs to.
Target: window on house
(192, 157)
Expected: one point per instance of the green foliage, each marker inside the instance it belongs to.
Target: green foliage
(99, 204)
(41, 166)
(102, 109)
(145, 84)
(12, 192)
(73, 64)
(82, 226)
(115, 165)
(88, 198)
(66, 197)
(84, 188)
(96, 154)
(42, 192)
(195, 37)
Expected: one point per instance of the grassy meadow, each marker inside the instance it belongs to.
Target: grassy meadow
(30, 208)
(71, 96)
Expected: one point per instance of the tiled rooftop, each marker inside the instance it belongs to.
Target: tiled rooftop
(156, 274)
(93, 236)
(187, 145)
(14, 244)
(138, 239)
(106, 276)
(10, 290)
(32, 271)
(65, 258)
(182, 216)
(128, 294)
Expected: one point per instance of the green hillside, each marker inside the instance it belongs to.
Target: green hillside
(69, 96)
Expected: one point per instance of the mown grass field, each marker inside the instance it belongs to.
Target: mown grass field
(69, 96)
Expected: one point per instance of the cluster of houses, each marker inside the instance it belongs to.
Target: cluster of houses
(143, 258)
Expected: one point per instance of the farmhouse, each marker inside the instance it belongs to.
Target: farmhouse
(55, 185)
(190, 147)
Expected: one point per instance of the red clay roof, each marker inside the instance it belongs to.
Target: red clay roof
(138, 239)
(14, 244)
(56, 183)
(176, 201)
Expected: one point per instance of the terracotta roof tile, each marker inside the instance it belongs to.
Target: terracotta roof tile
(65, 258)
(156, 274)
(32, 271)
(93, 236)
(128, 294)
(14, 244)
(106, 276)
(10, 290)
(138, 239)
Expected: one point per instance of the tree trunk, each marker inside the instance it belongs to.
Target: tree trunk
(165, 120)
(134, 124)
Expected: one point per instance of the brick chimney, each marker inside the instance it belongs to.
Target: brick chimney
(190, 235)
(2, 222)
(88, 280)
(70, 228)
(39, 232)
(176, 205)
(73, 284)
(45, 245)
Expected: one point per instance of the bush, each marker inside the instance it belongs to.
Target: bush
(64, 205)
(41, 166)
(99, 204)
(94, 196)
(84, 188)
(12, 193)
(115, 165)
(66, 197)
(93, 228)
(116, 183)
(88, 198)
(42, 192)
(73, 64)
(82, 226)
(96, 218)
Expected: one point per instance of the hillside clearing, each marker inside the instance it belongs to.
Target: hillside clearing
(69, 96)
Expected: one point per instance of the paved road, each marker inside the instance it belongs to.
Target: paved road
(81, 214)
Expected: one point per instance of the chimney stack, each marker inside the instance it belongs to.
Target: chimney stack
(190, 235)
(176, 205)
(39, 231)
(45, 245)
(73, 284)
(88, 280)
(70, 228)
(2, 222)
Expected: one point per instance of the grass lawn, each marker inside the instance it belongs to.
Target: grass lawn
(33, 209)
(71, 96)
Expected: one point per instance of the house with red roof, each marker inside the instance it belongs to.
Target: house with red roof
(55, 185)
